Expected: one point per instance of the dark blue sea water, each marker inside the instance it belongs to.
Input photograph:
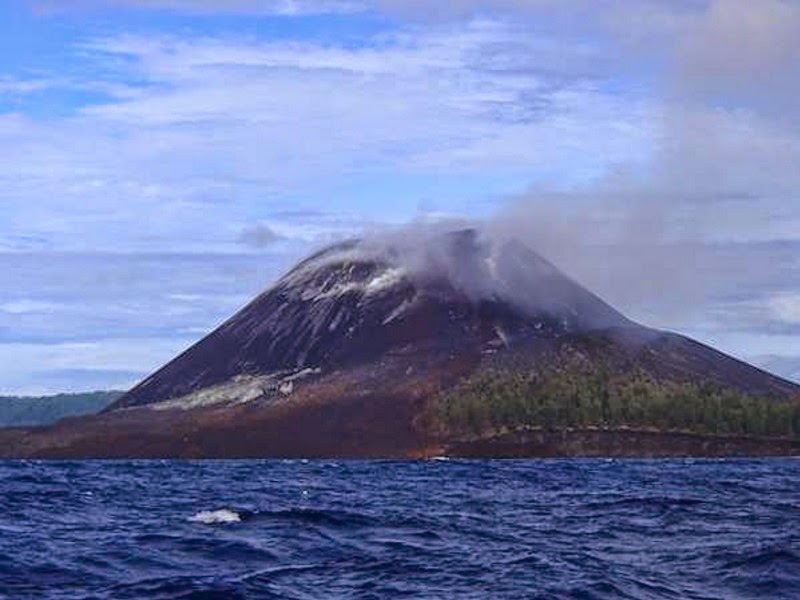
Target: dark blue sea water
(455, 529)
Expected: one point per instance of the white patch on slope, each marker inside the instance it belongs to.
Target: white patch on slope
(398, 312)
(336, 320)
(242, 388)
(502, 335)
(340, 289)
(379, 283)
(238, 390)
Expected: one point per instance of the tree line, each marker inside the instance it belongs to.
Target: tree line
(576, 398)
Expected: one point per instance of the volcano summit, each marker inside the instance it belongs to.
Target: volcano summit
(445, 342)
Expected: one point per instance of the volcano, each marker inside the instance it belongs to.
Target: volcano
(352, 352)
(355, 301)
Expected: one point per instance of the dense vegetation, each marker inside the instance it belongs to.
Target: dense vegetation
(19, 411)
(574, 398)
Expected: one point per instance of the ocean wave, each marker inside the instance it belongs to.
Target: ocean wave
(477, 529)
(222, 515)
(763, 557)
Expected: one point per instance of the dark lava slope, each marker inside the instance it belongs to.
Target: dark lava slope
(355, 301)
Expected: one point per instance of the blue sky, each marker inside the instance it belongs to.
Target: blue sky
(164, 160)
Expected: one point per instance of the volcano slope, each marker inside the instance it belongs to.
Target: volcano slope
(448, 343)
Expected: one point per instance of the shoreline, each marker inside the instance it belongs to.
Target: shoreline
(593, 443)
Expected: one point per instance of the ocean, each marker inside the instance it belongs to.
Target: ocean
(482, 529)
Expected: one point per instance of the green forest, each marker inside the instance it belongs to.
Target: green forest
(501, 401)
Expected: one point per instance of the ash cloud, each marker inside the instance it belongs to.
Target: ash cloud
(649, 260)
(637, 255)
(624, 261)
(443, 257)
(259, 236)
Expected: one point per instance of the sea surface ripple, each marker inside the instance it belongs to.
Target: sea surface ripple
(430, 529)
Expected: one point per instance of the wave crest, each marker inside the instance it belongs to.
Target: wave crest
(210, 517)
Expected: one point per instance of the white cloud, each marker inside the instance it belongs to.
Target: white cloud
(24, 307)
(785, 366)
(744, 50)
(786, 307)
(245, 7)
(17, 86)
(721, 50)
(220, 124)
(33, 369)
(749, 345)
(111, 354)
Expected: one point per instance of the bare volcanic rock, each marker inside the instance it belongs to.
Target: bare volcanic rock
(358, 300)
(350, 353)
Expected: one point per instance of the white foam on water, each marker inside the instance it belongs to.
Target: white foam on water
(210, 517)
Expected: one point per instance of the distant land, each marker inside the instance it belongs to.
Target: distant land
(434, 343)
(17, 411)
